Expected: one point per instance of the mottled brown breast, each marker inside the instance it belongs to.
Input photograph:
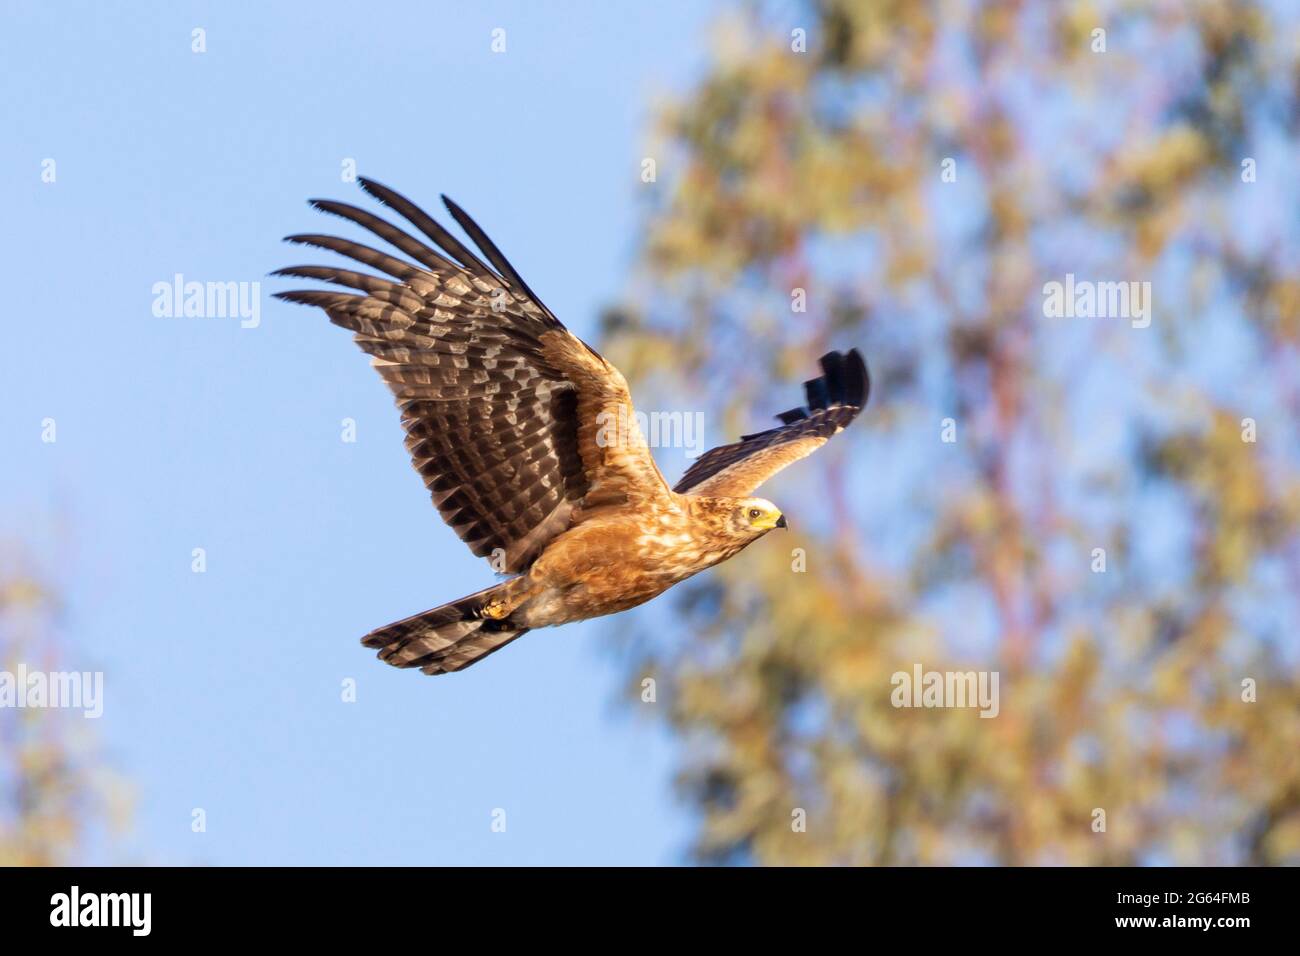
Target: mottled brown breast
(619, 559)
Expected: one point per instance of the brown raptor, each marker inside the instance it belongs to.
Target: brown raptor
(507, 417)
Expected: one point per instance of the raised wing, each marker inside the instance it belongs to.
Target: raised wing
(503, 407)
(834, 400)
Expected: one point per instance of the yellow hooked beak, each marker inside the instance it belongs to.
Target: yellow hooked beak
(770, 521)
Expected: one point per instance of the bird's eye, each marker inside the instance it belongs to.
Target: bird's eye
(755, 513)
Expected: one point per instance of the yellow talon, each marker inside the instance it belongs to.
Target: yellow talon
(496, 610)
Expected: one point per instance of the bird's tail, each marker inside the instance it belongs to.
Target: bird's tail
(453, 636)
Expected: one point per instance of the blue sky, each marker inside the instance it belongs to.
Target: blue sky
(223, 688)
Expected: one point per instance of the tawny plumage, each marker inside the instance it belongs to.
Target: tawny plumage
(507, 419)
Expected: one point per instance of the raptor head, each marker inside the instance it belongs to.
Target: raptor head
(752, 517)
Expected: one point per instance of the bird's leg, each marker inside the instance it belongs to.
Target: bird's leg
(503, 603)
(496, 609)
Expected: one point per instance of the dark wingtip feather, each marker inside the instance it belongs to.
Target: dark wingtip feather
(451, 205)
(333, 207)
(858, 388)
(818, 392)
(392, 199)
(494, 255)
(308, 296)
(832, 362)
(294, 296)
(845, 381)
(384, 195)
(379, 192)
(329, 206)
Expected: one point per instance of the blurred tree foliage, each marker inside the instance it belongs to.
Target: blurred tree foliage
(1121, 690)
(54, 788)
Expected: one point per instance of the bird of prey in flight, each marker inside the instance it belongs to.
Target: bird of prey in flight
(507, 418)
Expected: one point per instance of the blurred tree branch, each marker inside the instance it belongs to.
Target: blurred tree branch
(54, 787)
